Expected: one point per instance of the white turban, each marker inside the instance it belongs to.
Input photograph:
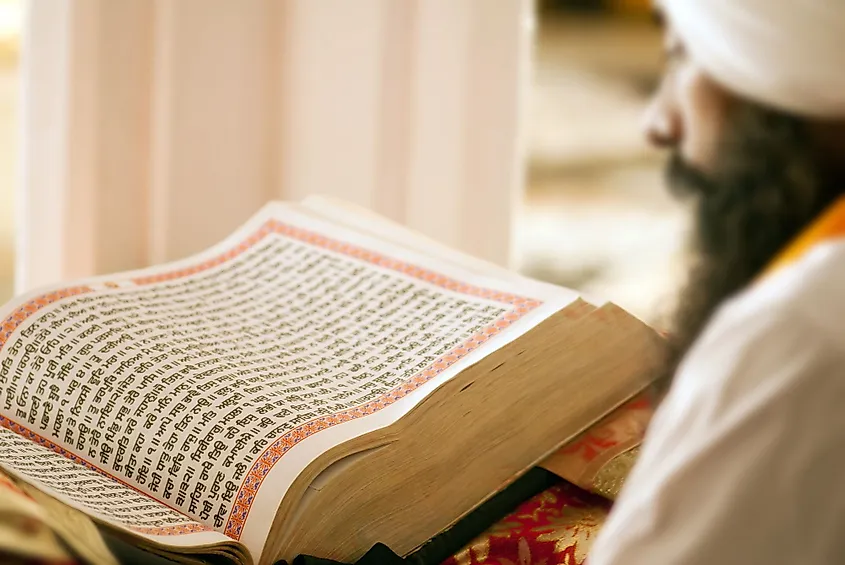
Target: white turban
(788, 54)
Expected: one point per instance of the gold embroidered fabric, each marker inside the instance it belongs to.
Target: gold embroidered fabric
(600, 459)
(556, 527)
(611, 477)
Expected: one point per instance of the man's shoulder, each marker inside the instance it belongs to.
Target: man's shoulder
(754, 416)
(810, 293)
(791, 325)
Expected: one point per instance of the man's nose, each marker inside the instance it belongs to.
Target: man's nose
(661, 126)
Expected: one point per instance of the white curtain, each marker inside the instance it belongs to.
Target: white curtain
(154, 127)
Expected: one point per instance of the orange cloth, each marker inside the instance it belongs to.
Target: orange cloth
(829, 226)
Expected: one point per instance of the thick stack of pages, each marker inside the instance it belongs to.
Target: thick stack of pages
(321, 381)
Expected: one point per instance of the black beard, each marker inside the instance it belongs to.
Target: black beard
(766, 187)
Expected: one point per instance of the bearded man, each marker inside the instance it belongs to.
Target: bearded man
(743, 460)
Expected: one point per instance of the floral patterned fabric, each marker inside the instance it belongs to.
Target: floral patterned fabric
(600, 459)
(556, 527)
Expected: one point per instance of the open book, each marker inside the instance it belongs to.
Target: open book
(320, 381)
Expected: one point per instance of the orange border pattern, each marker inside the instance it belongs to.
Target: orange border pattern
(265, 462)
(24, 311)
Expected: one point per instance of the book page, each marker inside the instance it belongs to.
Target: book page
(92, 490)
(211, 383)
(378, 226)
(365, 221)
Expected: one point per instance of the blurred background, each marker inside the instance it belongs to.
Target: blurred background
(594, 215)
(597, 216)
(11, 20)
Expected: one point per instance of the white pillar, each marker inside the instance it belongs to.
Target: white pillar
(154, 127)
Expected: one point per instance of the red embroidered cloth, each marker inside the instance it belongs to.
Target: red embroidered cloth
(556, 527)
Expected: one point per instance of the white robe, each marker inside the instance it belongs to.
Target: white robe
(745, 460)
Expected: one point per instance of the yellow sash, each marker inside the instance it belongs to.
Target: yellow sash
(829, 226)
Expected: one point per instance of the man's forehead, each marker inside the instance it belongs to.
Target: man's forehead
(658, 16)
(670, 38)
